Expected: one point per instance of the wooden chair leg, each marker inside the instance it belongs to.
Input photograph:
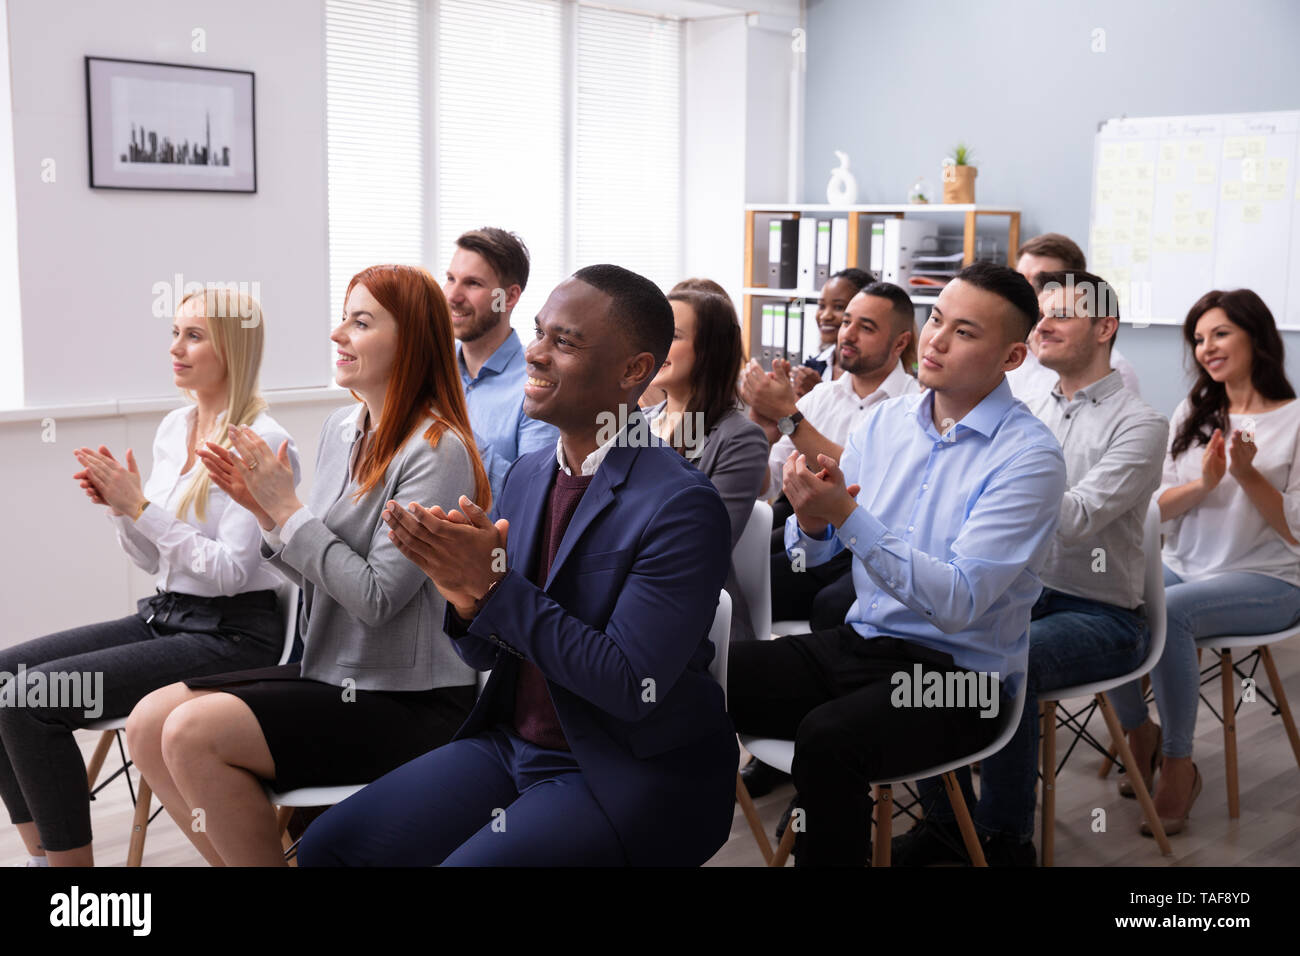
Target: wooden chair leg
(1279, 694)
(751, 817)
(282, 817)
(1134, 776)
(1229, 731)
(97, 758)
(1047, 751)
(884, 820)
(964, 822)
(786, 847)
(1109, 763)
(140, 826)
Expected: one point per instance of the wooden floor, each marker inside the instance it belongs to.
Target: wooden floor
(1267, 833)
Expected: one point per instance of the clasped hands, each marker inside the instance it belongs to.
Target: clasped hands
(769, 395)
(257, 478)
(458, 551)
(1214, 461)
(106, 482)
(819, 498)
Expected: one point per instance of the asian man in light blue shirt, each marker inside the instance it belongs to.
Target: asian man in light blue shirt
(952, 500)
(487, 274)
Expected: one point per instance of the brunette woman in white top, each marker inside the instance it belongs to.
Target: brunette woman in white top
(214, 609)
(1230, 499)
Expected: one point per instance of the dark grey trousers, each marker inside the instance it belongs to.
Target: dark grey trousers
(100, 671)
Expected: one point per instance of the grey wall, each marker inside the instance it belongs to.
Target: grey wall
(896, 85)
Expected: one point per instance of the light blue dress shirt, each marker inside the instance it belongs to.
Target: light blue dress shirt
(951, 529)
(496, 411)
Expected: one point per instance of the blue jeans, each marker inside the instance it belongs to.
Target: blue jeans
(1072, 640)
(489, 800)
(1239, 602)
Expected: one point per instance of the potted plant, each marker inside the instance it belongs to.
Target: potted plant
(959, 176)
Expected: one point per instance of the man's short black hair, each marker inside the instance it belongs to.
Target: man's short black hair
(639, 308)
(904, 311)
(1007, 284)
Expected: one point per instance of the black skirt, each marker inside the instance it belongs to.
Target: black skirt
(318, 737)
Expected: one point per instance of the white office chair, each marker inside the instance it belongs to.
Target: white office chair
(780, 754)
(1153, 600)
(752, 559)
(286, 599)
(1259, 645)
(719, 636)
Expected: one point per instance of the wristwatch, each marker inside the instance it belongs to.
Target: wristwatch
(786, 424)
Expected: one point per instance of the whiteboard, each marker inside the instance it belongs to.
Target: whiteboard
(1185, 204)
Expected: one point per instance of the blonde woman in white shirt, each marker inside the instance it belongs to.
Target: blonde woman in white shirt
(214, 608)
(1230, 499)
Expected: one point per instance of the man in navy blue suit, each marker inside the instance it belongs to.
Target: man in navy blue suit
(601, 738)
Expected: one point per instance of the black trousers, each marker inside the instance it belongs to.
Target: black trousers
(832, 692)
(820, 595)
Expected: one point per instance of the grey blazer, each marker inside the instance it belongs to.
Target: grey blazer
(370, 614)
(734, 458)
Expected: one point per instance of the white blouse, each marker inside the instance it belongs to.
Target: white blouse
(221, 555)
(1226, 532)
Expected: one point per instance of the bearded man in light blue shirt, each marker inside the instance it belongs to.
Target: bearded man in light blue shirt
(487, 274)
(948, 502)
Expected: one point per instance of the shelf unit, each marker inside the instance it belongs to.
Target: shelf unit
(970, 213)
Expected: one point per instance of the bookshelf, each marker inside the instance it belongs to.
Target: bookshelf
(759, 215)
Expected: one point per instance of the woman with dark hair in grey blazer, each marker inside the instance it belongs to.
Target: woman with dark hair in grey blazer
(702, 418)
(379, 682)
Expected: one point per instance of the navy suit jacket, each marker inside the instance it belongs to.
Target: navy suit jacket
(620, 630)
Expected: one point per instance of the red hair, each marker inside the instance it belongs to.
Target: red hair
(424, 382)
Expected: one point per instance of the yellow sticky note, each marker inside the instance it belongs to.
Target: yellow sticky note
(1100, 236)
(1169, 152)
(1123, 234)
(1276, 170)
(1204, 173)
(1143, 172)
(1105, 195)
(1182, 221)
(1143, 194)
(1163, 242)
(1183, 199)
(1101, 255)
(1200, 242)
(1252, 192)
(1166, 173)
(1275, 191)
(1126, 173)
(1120, 278)
(1255, 146)
(1252, 212)
(1141, 215)
(1124, 214)
(1234, 147)
(1107, 174)
(1183, 242)
(1231, 190)
(1204, 219)
(1141, 254)
(1110, 153)
(1141, 235)
(1133, 152)
(1194, 152)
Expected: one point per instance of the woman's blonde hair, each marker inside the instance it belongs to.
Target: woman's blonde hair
(235, 324)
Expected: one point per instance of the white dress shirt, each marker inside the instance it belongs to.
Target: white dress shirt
(835, 410)
(220, 555)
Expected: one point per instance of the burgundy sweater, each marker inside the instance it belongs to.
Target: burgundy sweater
(535, 717)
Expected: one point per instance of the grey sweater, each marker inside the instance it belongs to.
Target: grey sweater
(369, 614)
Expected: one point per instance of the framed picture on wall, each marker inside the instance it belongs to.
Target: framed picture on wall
(170, 126)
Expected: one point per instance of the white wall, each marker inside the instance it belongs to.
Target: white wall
(737, 135)
(11, 330)
(88, 259)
